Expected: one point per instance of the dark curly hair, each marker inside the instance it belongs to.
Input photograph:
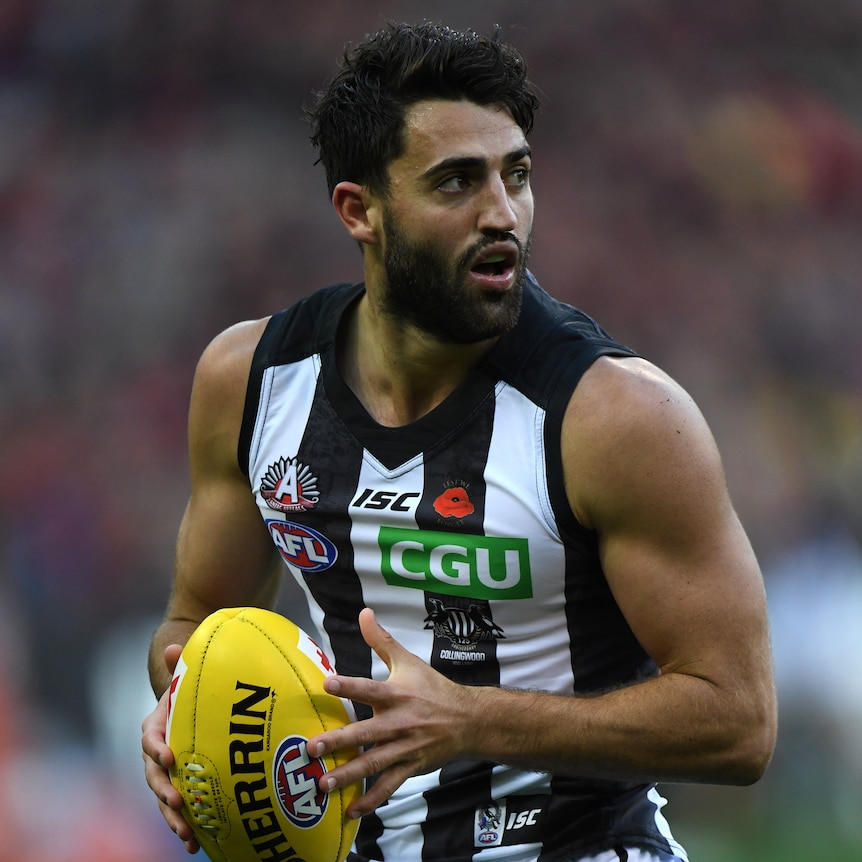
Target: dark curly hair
(358, 120)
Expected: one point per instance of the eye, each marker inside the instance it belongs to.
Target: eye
(456, 183)
(519, 177)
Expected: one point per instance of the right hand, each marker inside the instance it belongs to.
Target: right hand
(158, 758)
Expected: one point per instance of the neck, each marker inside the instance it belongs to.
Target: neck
(398, 372)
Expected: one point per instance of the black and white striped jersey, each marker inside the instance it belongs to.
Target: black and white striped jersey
(455, 529)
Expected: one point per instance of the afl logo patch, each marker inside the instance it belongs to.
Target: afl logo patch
(296, 778)
(302, 547)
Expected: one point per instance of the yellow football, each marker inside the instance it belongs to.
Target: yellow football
(246, 696)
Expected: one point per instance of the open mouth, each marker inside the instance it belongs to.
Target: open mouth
(495, 264)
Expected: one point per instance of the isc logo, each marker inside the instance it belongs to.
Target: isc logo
(457, 564)
(520, 819)
(371, 499)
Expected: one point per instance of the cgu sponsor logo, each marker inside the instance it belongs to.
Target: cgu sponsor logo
(302, 547)
(484, 567)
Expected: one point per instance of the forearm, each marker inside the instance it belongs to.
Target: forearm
(169, 632)
(672, 728)
(676, 727)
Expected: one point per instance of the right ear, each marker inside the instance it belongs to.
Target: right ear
(357, 208)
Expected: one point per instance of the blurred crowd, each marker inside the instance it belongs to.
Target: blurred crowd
(698, 176)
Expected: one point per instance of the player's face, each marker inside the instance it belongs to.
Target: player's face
(457, 222)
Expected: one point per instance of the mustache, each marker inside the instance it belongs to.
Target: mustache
(491, 238)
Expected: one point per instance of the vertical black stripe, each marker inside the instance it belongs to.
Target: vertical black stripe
(561, 384)
(594, 619)
(335, 458)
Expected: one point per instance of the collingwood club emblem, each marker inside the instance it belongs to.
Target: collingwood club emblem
(463, 628)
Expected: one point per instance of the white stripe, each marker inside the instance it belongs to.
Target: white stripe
(403, 816)
(534, 653)
(508, 781)
(287, 393)
(663, 826)
(517, 853)
(392, 606)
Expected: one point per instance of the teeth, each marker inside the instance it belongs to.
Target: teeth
(495, 258)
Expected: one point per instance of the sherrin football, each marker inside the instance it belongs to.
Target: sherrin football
(246, 696)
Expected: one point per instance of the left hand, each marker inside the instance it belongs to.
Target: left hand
(420, 721)
(158, 758)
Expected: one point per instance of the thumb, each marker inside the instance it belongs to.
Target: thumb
(172, 656)
(378, 638)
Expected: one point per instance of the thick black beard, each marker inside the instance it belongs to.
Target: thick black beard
(423, 290)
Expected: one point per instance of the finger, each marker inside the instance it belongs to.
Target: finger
(153, 734)
(172, 656)
(379, 792)
(154, 749)
(354, 771)
(170, 803)
(159, 782)
(371, 748)
(357, 688)
(178, 825)
(359, 735)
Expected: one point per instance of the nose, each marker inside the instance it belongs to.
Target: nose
(497, 212)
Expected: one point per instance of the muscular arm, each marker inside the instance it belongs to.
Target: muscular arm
(642, 470)
(224, 557)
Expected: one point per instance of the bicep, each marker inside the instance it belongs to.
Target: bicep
(674, 553)
(691, 592)
(224, 556)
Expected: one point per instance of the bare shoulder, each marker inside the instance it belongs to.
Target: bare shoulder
(225, 557)
(229, 354)
(218, 392)
(624, 387)
(631, 432)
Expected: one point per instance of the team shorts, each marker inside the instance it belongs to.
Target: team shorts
(618, 854)
(623, 854)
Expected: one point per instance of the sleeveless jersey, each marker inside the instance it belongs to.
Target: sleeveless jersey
(455, 529)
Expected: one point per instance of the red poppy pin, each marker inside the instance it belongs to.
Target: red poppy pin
(453, 503)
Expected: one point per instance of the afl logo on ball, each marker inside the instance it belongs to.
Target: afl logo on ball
(296, 777)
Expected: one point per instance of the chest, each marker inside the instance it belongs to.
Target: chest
(466, 513)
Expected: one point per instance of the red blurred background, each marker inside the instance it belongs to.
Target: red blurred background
(698, 176)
